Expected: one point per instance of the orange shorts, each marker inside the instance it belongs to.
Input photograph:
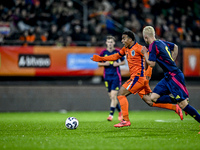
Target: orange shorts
(137, 85)
(145, 90)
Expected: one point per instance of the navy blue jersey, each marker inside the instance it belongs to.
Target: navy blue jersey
(160, 51)
(110, 70)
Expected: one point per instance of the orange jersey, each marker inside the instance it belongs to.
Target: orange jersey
(137, 82)
(135, 59)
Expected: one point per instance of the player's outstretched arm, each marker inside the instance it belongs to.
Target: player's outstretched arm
(113, 57)
(96, 58)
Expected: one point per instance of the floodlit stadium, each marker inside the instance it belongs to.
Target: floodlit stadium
(73, 74)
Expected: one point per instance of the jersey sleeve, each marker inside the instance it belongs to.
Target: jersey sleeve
(122, 59)
(122, 51)
(112, 57)
(152, 52)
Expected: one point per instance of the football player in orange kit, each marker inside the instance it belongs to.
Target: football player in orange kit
(137, 82)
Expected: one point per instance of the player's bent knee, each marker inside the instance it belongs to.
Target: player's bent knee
(123, 92)
(120, 93)
(147, 100)
(183, 104)
(154, 97)
(154, 100)
(149, 103)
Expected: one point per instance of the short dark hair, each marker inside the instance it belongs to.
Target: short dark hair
(130, 34)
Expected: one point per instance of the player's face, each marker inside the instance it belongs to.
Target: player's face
(145, 37)
(110, 43)
(126, 40)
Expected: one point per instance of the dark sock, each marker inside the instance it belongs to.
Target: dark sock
(192, 112)
(112, 110)
(118, 108)
(165, 99)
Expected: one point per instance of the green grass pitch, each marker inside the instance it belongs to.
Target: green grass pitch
(159, 130)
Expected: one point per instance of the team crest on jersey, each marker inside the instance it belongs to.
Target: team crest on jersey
(133, 53)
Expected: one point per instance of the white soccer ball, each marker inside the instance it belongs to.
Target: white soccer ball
(71, 123)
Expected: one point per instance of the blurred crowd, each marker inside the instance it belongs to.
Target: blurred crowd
(88, 22)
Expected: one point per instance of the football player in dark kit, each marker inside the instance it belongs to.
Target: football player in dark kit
(164, 53)
(112, 76)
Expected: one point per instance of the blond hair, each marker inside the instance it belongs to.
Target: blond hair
(110, 37)
(149, 30)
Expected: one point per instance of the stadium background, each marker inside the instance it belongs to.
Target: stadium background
(46, 46)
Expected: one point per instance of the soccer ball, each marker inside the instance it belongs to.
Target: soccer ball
(71, 123)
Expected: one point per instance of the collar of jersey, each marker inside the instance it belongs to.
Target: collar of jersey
(132, 45)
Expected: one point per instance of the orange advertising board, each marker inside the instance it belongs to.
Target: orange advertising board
(59, 61)
(50, 61)
(191, 62)
(9, 61)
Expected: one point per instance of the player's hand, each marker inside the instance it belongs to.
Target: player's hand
(115, 64)
(96, 58)
(144, 50)
(107, 63)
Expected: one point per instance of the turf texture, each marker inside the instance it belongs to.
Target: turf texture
(150, 130)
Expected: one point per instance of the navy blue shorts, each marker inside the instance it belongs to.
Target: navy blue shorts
(113, 83)
(173, 84)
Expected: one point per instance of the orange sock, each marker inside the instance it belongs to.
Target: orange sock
(163, 105)
(124, 106)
